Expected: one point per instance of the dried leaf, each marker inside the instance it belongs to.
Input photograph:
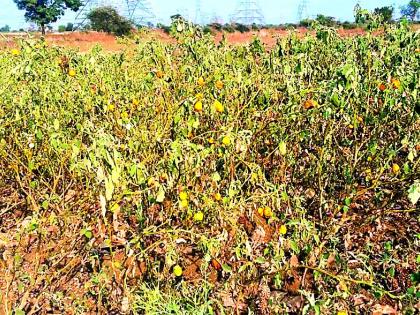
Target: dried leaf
(294, 261)
(229, 302)
(384, 310)
(102, 202)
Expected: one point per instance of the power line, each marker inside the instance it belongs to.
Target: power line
(248, 13)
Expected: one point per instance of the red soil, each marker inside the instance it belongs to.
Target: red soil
(85, 41)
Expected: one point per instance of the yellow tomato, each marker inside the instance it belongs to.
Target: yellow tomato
(72, 72)
(219, 84)
(283, 229)
(218, 106)
(382, 87)
(198, 107)
(199, 216)
(226, 140)
(395, 168)
(15, 52)
(151, 182)
(177, 271)
(201, 82)
(217, 197)
(268, 213)
(396, 84)
(260, 211)
(309, 104)
(184, 203)
(135, 102)
(183, 195)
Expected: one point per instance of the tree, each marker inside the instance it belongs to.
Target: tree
(411, 10)
(326, 20)
(107, 19)
(385, 12)
(69, 27)
(44, 12)
(5, 29)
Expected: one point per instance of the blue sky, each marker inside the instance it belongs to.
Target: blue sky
(275, 11)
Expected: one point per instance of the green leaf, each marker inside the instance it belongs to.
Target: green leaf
(414, 192)
(226, 268)
(260, 260)
(45, 204)
(347, 201)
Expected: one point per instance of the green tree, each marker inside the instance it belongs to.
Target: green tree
(411, 10)
(5, 29)
(326, 20)
(69, 27)
(385, 12)
(107, 19)
(44, 12)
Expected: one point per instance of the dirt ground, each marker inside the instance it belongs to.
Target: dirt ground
(85, 41)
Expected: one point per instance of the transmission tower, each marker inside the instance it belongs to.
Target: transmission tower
(137, 11)
(140, 12)
(81, 15)
(302, 10)
(198, 13)
(248, 13)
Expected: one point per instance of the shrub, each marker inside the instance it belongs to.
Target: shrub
(107, 19)
(241, 28)
(306, 22)
(229, 28)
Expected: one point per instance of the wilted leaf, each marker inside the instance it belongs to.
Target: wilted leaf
(283, 148)
(384, 310)
(109, 189)
(414, 193)
(102, 202)
(160, 195)
(294, 261)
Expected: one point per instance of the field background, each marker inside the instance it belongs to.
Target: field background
(185, 175)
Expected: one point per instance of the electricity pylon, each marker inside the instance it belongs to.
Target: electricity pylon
(248, 13)
(302, 10)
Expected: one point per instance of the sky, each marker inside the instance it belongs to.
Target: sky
(275, 11)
